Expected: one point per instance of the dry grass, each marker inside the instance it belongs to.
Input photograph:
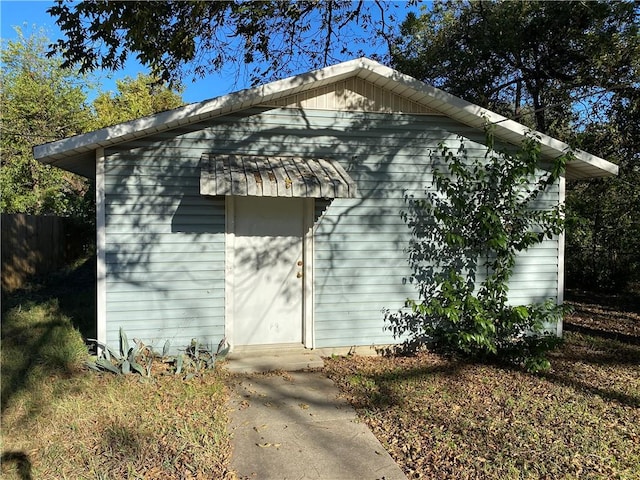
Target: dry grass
(102, 426)
(438, 417)
(444, 418)
(60, 421)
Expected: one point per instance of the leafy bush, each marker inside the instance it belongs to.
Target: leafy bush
(466, 233)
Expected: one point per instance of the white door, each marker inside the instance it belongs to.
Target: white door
(267, 263)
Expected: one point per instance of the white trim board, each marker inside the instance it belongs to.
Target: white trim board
(561, 247)
(308, 306)
(101, 247)
(229, 247)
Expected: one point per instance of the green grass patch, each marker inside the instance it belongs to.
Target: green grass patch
(105, 426)
(60, 420)
(37, 341)
(445, 418)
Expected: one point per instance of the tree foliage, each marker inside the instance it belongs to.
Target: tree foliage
(40, 103)
(603, 230)
(546, 64)
(175, 38)
(135, 98)
(43, 102)
(467, 231)
(569, 69)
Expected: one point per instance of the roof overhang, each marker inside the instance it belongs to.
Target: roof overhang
(271, 176)
(77, 154)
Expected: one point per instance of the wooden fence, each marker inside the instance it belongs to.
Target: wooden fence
(32, 245)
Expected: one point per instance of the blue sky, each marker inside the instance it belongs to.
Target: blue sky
(31, 16)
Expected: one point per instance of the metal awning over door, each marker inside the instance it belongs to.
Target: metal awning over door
(274, 176)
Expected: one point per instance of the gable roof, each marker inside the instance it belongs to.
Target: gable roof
(76, 154)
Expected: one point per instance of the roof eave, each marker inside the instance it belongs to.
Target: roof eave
(584, 165)
(458, 109)
(192, 113)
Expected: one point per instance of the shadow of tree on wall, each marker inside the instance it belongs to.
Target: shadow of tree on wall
(163, 280)
(170, 188)
(346, 266)
(153, 201)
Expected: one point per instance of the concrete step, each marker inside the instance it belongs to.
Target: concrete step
(265, 359)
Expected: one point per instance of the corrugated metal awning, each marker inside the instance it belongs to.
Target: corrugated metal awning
(271, 176)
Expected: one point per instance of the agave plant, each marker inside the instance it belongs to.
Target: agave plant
(126, 360)
(199, 357)
(139, 357)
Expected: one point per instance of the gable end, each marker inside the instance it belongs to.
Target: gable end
(352, 94)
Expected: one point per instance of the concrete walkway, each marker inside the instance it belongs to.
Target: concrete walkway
(294, 426)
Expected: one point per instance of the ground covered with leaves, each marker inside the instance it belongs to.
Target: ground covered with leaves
(438, 417)
(446, 418)
(606, 315)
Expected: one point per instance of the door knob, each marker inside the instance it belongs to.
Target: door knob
(299, 275)
(299, 263)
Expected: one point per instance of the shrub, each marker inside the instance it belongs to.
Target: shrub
(466, 233)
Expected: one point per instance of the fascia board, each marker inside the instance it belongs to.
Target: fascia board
(477, 117)
(192, 113)
(432, 97)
